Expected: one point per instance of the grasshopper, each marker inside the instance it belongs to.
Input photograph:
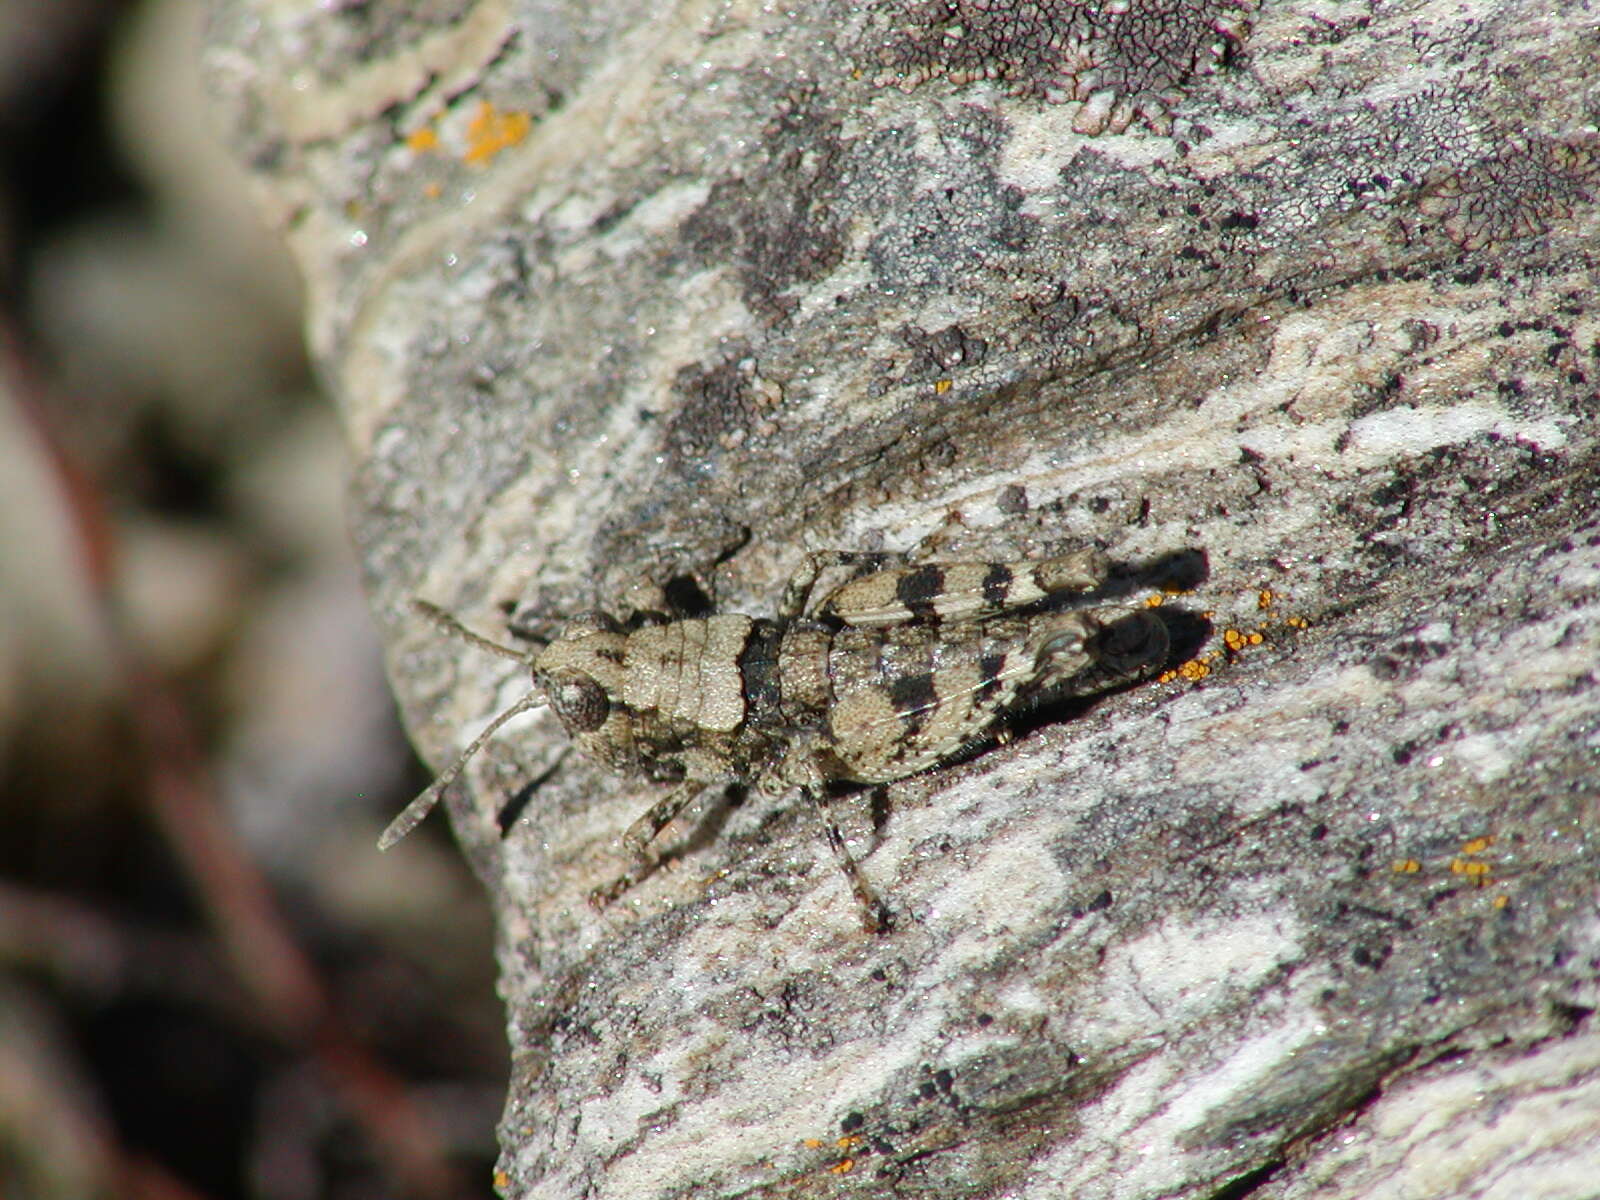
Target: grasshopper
(892, 672)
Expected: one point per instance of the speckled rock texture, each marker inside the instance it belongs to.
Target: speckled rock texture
(1290, 307)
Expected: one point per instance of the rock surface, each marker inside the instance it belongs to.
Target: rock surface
(1292, 307)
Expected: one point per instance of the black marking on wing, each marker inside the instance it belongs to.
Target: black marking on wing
(989, 666)
(918, 588)
(997, 584)
(913, 696)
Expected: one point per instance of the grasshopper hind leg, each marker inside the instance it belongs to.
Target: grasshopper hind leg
(875, 914)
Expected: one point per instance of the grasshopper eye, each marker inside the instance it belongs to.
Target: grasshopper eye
(580, 702)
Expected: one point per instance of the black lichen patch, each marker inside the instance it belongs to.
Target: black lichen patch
(776, 222)
(1126, 60)
(1515, 194)
(967, 224)
(717, 407)
(940, 354)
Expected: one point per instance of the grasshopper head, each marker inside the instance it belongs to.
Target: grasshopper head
(582, 674)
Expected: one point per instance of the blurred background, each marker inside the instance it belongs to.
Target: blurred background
(211, 983)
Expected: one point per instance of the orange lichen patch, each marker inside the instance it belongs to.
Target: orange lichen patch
(423, 140)
(492, 131)
(843, 1167)
(501, 1181)
(1234, 640)
(943, 386)
(1192, 671)
(433, 189)
(1154, 601)
(1474, 871)
(847, 1142)
(813, 1143)
(1469, 868)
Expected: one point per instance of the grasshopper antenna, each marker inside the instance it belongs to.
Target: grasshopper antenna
(455, 628)
(412, 815)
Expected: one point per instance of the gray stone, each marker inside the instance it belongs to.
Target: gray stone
(1289, 309)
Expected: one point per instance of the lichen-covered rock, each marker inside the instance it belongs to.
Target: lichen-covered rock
(1518, 193)
(637, 295)
(1122, 59)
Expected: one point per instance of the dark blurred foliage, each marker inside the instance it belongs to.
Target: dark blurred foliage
(211, 984)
